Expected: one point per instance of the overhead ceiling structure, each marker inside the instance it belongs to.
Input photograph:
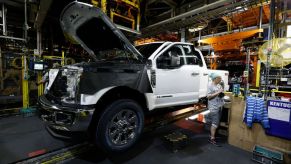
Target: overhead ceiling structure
(159, 10)
(12, 23)
(158, 7)
(248, 17)
(44, 6)
(196, 15)
(13, 17)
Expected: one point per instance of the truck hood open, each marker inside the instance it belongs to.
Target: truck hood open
(88, 26)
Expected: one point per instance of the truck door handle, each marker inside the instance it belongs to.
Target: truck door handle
(195, 73)
(205, 74)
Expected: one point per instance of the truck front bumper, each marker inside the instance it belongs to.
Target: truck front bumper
(74, 119)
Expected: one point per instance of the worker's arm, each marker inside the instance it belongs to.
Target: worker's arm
(213, 95)
(43, 80)
(40, 82)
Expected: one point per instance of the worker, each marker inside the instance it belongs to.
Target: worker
(45, 77)
(215, 103)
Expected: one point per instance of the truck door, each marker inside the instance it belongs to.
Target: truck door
(177, 83)
(204, 78)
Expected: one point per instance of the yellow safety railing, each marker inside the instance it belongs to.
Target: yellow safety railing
(258, 73)
(25, 89)
(40, 86)
(113, 14)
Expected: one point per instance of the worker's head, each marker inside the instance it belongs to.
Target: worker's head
(215, 78)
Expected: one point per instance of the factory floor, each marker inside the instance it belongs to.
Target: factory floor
(24, 137)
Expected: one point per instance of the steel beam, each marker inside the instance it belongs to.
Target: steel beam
(183, 35)
(171, 3)
(270, 33)
(42, 12)
(272, 19)
(25, 20)
(260, 20)
(1, 71)
(38, 42)
(191, 13)
(4, 25)
(14, 3)
(151, 1)
(13, 38)
(246, 90)
(211, 11)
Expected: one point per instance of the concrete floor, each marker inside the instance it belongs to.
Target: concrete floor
(19, 136)
(152, 149)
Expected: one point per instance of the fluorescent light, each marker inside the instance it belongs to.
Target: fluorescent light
(198, 27)
(193, 29)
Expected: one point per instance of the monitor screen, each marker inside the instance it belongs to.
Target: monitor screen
(38, 66)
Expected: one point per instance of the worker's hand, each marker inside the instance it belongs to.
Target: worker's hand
(220, 91)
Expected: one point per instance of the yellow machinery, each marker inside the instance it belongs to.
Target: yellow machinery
(25, 82)
(25, 89)
(125, 13)
(146, 40)
(229, 41)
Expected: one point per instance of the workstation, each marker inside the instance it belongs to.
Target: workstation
(119, 81)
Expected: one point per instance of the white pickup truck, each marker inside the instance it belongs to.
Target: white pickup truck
(110, 96)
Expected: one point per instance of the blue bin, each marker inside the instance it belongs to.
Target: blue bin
(267, 156)
(236, 89)
(279, 113)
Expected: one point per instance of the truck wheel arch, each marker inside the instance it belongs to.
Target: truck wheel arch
(108, 95)
(92, 99)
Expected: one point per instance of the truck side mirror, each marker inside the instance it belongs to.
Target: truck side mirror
(149, 64)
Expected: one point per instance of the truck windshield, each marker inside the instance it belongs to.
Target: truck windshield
(148, 49)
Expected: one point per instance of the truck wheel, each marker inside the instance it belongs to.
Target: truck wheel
(120, 126)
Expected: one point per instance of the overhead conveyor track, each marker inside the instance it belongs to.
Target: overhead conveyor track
(207, 12)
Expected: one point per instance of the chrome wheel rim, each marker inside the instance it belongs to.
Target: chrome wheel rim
(123, 127)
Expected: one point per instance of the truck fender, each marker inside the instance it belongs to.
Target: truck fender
(92, 99)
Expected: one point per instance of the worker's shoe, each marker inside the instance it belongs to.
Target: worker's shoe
(213, 142)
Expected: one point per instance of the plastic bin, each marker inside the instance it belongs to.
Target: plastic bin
(267, 156)
(27, 112)
(236, 89)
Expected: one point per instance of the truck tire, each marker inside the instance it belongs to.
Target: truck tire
(119, 126)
